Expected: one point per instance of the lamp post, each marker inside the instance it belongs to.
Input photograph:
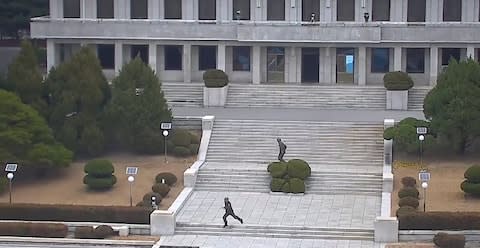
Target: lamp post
(131, 179)
(424, 186)
(154, 203)
(10, 178)
(421, 138)
(165, 134)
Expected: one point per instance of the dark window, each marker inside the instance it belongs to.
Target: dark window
(381, 10)
(207, 9)
(241, 10)
(139, 9)
(450, 53)
(452, 10)
(173, 58)
(105, 9)
(346, 10)
(416, 10)
(106, 55)
(415, 60)
(173, 9)
(276, 10)
(141, 51)
(207, 57)
(310, 10)
(241, 58)
(71, 8)
(380, 60)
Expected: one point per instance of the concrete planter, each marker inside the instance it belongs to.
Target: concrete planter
(215, 97)
(397, 99)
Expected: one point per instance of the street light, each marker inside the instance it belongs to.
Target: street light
(421, 138)
(10, 177)
(130, 180)
(154, 203)
(424, 186)
(165, 134)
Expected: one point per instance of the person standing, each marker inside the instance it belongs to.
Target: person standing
(229, 212)
(282, 148)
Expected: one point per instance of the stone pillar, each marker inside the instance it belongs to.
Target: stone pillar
(471, 52)
(187, 10)
(56, 9)
(397, 58)
(291, 65)
(122, 9)
(154, 9)
(256, 65)
(386, 229)
(161, 10)
(152, 56)
(89, 9)
(187, 63)
(83, 7)
(118, 57)
(223, 10)
(221, 56)
(433, 65)
(327, 65)
(362, 65)
(468, 11)
(51, 54)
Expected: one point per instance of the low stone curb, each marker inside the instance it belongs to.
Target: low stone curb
(109, 242)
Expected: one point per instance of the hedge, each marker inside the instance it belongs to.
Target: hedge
(193, 148)
(276, 184)
(440, 221)
(169, 178)
(99, 183)
(194, 139)
(409, 182)
(161, 188)
(297, 186)
(44, 212)
(397, 80)
(472, 174)
(277, 169)
(470, 188)
(103, 231)
(99, 168)
(389, 133)
(405, 210)
(147, 198)
(445, 240)
(181, 151)
(297, 168)
(215, 78)
(84, 232)
(408, 192)
(181, 137)
(42, 230)
(408, 201)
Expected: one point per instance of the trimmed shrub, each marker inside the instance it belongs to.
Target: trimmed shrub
(148, 142)
(161, 188)
(397, 80)
(440, 221)
(181, 137)
(193, 148)
(215, 78)
(74, 213)
(472, 174)
(408, 192)
(194, 139)
(103, 231)
(3, 184)
(181, 151)
(42, 230)
(84, 232)
(445, 240)
(409, 182)
(99, 183)
(405, 210)
(276, 184)
(277, 169)
(169, 178)
(99, 168)
(147, 198)
(389, 133)
(297, 168)
(470, 188)
(408, 201)
(286, 187)
(297, 186)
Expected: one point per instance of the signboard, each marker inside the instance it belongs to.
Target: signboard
(424, 176)
(422, 130)
(166, 125)
(132, 170)
(11, 167)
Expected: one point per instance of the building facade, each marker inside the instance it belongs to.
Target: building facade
(268, 41)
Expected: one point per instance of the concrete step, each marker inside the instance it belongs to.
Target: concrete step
(183, 94)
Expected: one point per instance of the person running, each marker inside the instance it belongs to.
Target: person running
(229, 212)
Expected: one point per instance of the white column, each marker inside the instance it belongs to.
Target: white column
(187, 10)
(154, 9)
(187, 63)
(222, 10)
(471, 52)
(362, 65)
(118, 57)
(433, 65)
(56, 8)
(397, 58)
(221, 57)
(152, 56)
(256, 71)
(89, 9)
(291, 65)
(51, 53)
(122, 9)
(161, 10)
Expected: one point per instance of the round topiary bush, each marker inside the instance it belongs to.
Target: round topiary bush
(277, 169)
(84, 232)
(297, 186)
(408, 192)
(181, 151)
(389, 133)
(161, 188)
(181, 137)
(409, 182)
(397, 80)
(286, 187)
(472, 174)
(408, 201)
(169, 178)
(276, 184)
(99, 168)
(99, 183)
(405, 210)
(215, 78)
(470, 188)
(103, 231)
(297, 168)
(193, 148)
(147, 198)
(449, 240)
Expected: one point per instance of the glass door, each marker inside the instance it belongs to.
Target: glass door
(345, 65)
(275, 64)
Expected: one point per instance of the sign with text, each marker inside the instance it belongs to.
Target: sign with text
(166, 125)
(422, 130)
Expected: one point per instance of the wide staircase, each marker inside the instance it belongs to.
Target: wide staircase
(416, 96)
(183, 94)
(306, 96)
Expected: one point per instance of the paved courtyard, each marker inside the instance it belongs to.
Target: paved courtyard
(349, 211)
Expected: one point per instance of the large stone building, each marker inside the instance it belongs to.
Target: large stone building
(263, 41)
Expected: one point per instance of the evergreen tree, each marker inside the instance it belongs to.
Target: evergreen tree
(15, 15)
(454, 104)
(25, 79)
(137, 108)
(78, 92)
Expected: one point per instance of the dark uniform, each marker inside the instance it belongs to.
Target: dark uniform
(229, 211)
(282, 148)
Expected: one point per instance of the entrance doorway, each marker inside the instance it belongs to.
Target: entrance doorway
(345, 65)
(310, 65)
(275, 64)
